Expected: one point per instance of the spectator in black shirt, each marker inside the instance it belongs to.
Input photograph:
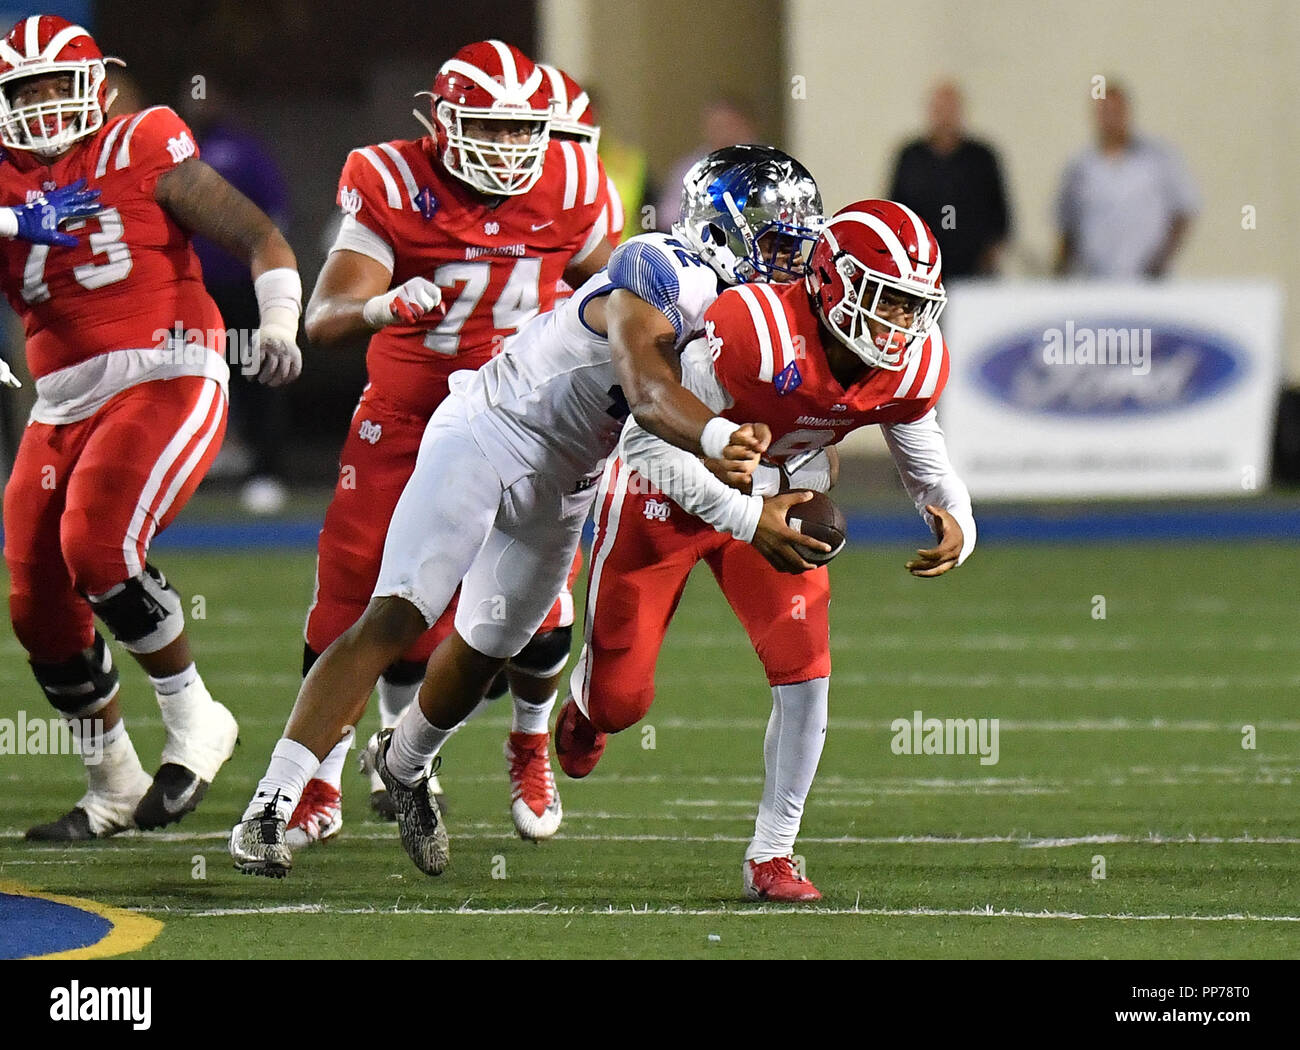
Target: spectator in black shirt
(954, 184)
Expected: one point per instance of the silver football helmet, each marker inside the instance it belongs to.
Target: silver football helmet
(751, 212)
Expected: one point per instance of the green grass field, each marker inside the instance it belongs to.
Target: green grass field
(1119, 738)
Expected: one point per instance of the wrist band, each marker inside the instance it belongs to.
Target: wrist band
(716, 436)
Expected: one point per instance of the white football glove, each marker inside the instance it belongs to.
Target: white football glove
(276, 355)
(7, 376)
(408, 303)
(275, 343)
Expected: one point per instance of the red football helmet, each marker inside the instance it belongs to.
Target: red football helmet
(45, 45)
(491, 81)
(869, 250)
(571, 115)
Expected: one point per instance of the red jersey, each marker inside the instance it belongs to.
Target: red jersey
(133, 274)
(497, 264)
(766, 342)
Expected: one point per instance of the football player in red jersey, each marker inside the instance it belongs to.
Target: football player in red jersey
(574, 119)
(449, 244)
(128, 353)
(855, 344)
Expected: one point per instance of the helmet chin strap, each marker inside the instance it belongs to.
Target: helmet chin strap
(428, 124)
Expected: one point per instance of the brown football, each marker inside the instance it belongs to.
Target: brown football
(821, 519)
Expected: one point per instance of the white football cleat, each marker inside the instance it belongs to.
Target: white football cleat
(534, 800)
(318, 816)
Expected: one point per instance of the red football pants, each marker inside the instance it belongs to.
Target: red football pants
(85, 499)
(645, 548)
(377, 460)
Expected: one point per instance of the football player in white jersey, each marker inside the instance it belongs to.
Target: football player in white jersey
(506, 477)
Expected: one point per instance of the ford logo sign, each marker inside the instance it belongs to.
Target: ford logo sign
(1115, 368)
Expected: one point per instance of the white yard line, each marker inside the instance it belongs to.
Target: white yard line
(132, 842)
(745, 911)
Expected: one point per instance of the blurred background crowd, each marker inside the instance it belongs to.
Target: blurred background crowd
(1084, 145)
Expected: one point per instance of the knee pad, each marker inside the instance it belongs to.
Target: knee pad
(81, 685)
(405, 672)
(144, 613)
(544, 655)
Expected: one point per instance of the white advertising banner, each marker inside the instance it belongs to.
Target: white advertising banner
(1111, 389)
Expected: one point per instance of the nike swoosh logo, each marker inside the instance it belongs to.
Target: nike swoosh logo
(542, 226)
(174, 804)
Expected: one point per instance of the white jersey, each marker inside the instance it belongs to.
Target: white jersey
(551, 401)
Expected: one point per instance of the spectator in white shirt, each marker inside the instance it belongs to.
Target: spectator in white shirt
(1126, 203)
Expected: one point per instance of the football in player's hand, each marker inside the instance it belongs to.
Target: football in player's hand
(822, 520)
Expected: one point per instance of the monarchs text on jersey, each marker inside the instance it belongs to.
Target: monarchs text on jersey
(496, 260)
(132, 276)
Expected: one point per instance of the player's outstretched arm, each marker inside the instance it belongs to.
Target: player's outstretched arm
(352, 299)
(921, 455)
(203, 202)
(38, 221)
(686, 480)
(643, 344)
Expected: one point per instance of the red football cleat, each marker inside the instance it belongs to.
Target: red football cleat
(318, 816)
(534, 802)
(578, 743)
(777, 880)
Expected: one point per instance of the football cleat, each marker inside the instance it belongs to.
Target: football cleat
(201, 735)
(318, 816)
(258, 845)
(578, 743)
(423, 835)
(534, 801)
(380, 803)
(94, 817)
(777, 880)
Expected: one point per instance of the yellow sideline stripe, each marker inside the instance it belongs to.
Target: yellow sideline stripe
(130, 931)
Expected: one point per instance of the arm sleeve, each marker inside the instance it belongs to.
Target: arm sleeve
(365, 199)
(354, 237)
(681, 476)
(642, 267)
(921, 456)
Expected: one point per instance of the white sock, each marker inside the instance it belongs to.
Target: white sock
(170, 685)
(394, 700)
(792, 748)
(331, 766)
(291, 766)
(112, 766)
(531, 718)
(415, 742)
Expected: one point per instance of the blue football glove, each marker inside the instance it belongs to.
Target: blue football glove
(39, 221)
